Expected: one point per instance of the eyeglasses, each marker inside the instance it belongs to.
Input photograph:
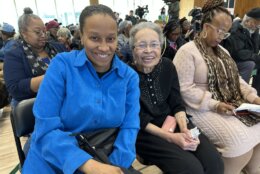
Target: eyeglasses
(39, 33)
(221, 32)
(144, 45)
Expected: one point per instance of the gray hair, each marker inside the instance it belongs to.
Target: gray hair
(245, 19)
(143, 25)
(24, 20)
(122, 25)
(64, 32)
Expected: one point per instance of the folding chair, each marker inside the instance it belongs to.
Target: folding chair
(22, 120)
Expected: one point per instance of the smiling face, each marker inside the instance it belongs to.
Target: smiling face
(217, 29)
(147, 50)
(99, 37)
(63, 39)
(252, 24)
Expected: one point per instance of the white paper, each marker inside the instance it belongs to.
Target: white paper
(249, 107)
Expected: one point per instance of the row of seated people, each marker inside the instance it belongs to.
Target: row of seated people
(92, 89)
(243, 45)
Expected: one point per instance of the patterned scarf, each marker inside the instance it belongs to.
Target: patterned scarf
(38, 66)
(223, 78)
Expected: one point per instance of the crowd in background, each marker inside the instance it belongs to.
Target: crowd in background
(210, 53)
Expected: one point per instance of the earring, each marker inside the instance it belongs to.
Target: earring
(204, 34)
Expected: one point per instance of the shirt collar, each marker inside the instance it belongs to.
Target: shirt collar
(81, 59)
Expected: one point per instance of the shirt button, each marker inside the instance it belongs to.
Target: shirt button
(154, 102)
(152, 94)
(151, 87)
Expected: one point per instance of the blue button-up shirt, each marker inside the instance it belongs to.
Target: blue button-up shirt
(72, 99)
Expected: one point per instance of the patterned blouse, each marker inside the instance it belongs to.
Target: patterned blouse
(160, 94)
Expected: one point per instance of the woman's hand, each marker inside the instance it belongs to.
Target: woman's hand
(35, 83)
(95, 167)
(187, 35)
(184, 140)
(257, 101)
(187, 132)
(224, 108)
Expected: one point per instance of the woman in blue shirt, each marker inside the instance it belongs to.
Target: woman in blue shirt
(84, 91)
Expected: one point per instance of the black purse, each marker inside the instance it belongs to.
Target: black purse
(99, 144)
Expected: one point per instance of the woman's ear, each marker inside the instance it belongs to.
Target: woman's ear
(23, 35)
(205, 27)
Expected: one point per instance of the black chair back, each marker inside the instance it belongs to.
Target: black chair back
(22, 120)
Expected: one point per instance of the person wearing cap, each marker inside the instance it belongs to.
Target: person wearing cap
(7, 35)
(243, 45)
(173, 39)
(53, 27)
(7, 32)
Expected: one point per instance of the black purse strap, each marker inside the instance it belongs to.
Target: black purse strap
(100, 155)
(84, 142)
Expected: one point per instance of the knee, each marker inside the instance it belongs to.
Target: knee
(184, 167)
(214, 165)
(246, 66)
(250, 65)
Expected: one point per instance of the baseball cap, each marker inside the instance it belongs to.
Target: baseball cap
(254, 13)
(52, 24)
(7, 28)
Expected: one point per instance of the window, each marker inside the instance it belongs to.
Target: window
(65, 12)
(46, 10)
(229, 4)
(79, 5)
(21, 4)
(10, 16)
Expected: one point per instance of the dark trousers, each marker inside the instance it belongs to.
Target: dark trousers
(245, 69)
(171, 159)
(256, 81)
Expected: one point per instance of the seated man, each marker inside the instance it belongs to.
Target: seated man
(243, 45)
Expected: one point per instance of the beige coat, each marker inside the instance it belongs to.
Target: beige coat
(231, 137)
